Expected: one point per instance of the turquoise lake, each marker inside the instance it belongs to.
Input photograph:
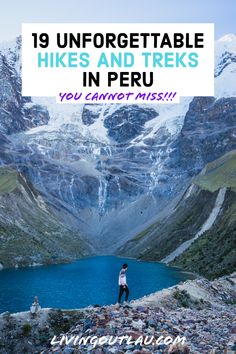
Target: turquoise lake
(89, 281)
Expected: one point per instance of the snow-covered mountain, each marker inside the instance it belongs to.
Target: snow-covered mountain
(114, 169)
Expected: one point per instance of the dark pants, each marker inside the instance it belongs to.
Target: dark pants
(122, 289)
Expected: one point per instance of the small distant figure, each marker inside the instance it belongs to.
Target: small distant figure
(123, 283)
(35, 307)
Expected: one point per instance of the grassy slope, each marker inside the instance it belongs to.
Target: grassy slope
(161, 238)
(8, 180)
(29, 233)
(214, 253)
(219, 173)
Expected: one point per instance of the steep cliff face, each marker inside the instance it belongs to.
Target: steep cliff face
(31, 231)
(209, 131)
(169, 232)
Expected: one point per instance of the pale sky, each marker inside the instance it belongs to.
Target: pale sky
(15, 12)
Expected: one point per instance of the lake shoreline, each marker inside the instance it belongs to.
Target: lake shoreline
(98, 274)
(199, 309)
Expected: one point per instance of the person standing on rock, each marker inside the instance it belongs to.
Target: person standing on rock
(123, 283)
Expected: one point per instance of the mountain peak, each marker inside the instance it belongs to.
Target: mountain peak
(227, 38)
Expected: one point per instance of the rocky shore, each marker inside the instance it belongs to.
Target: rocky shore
(203, 312)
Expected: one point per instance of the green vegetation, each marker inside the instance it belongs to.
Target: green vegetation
(214, 253)
(26, 329)
(185, 300)
(219, 173)
(62, 320)
(183, 297)
(145, 232)
(8, 180)
(30, 234)
(163, 237)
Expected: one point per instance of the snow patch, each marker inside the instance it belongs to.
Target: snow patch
(171, 117)
(102, 194)
(29, 104)
(41, 204)
(189, 191)
(71, 114)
